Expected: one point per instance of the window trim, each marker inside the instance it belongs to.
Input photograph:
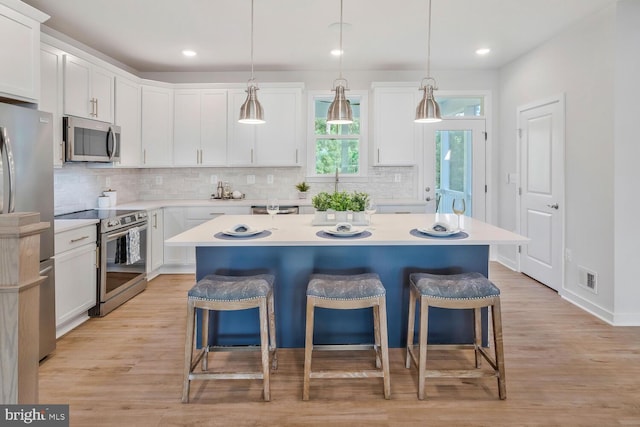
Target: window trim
(363, 166)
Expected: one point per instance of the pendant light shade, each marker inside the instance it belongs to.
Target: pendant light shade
(340, 112)
(251, 111)
(428, 110)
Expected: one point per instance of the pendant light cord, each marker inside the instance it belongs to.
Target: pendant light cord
(428, 42)
(252, 40)
(341, 51)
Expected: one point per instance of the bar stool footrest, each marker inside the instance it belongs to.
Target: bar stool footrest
(347, 374)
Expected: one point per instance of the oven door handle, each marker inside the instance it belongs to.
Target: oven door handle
(123, 233)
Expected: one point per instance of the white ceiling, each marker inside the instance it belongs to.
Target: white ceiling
(149, 35)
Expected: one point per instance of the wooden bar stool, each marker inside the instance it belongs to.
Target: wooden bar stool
(347, 292)
(456, 291)
(226, 293)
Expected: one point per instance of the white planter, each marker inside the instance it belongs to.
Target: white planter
(302, 194)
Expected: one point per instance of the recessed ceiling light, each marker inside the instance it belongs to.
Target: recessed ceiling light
(189, 53)
(337, 52)
(483, 51)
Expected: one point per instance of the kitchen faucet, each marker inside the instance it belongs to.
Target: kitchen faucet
(335, 185)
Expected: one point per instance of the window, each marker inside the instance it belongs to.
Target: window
(460, 106)
(338, 147)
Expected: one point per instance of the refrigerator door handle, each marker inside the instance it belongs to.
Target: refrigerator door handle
(5, 146)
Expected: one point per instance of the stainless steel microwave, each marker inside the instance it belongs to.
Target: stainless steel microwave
(90, 140)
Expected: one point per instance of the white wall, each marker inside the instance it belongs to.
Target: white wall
(579, 63)
(627, 172)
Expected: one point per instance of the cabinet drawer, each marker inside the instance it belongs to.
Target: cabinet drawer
(77, 237)
(207, 213)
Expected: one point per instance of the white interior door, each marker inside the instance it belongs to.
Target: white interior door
(454, 165)
(541, 148)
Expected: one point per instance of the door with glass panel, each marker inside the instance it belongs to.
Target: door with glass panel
(454, 166)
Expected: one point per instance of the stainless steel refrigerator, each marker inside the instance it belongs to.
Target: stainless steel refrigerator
(26, 185)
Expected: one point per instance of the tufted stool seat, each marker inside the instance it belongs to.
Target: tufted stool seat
(455, 291)
(347, 292)
(225, 293)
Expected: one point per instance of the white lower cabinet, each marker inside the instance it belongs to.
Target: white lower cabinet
(76, 276)
(155, 245)
(179, 219)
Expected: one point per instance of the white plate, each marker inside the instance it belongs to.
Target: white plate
(432, 232)
(249, 232)
(352, 232)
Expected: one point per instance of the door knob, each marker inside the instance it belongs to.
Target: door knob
(554, 206)
(428, 199)
(427, 189)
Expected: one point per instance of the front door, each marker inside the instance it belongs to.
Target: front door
(455, 166)
(541, 148)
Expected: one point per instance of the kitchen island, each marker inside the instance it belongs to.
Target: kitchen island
(292, 248)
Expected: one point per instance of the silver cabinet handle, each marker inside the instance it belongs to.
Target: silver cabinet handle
(144, 156)
(296, 156)
(554, 206)
(78, 239)
(378, 155)
(252, 155)
(96, 107)
(155, 220)
(5, 145)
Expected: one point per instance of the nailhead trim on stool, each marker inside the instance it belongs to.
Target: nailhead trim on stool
(345, 292)
(228, 293)
(455, 291)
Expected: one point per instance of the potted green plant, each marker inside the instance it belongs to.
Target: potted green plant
(321, 201)
(302, 188)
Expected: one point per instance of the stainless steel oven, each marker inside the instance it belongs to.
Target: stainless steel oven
(120, 277)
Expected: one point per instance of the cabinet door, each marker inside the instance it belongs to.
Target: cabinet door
(76, 282)
(277, 140)
(156, 246)
(186, 127)
(50, 99)
(157, 126)
(77, 87)
(20, 47)
(241, 136)
(213, 125)
(127, 116)
(395, 132)
(174, 223)
(102, 85)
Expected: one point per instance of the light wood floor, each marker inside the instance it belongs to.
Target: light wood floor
(564, 367)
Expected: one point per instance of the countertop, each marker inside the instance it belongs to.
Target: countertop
(155, 204)
(385, 229)
(60, 225)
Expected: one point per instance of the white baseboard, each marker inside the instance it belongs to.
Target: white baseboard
(71, 324)
(588, 306)
(509, 263)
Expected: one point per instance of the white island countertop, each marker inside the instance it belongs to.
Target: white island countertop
(385, 229)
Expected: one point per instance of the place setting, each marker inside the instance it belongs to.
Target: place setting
(343, 230)
(441, 229)
(242, 232)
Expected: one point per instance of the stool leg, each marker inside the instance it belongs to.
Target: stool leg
(424, 332)
(272, 331)
(264, 347)
(308, 349)
(205, 338)
(497, 340)
(384, 346)
(477, 332)
(410, 325)
(376, 333)
(188, 350)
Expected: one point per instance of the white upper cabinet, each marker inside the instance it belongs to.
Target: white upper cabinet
(88, 90)
(274, 143)
(200, 127)
(50, 99)
(395, 134)
(128, 116)
(157, 126)
(20, 41)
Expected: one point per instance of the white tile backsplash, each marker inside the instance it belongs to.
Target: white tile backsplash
(77, 186)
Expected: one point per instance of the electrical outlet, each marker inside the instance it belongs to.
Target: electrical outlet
(269, 179)
(214, 179)
(397, 178)
(107, 182)
(158, 179)
(251, 179)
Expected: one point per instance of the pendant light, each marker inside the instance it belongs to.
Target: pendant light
(251, 111)
(340, 109)
(428, 110)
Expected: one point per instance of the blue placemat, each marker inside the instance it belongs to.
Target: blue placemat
(260, 235)
(326, 235)
(457, 236)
